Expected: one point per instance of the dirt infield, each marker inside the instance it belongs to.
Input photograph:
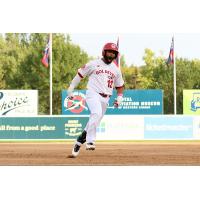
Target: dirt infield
(109, 154)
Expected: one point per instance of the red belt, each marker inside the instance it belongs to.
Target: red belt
(104, 95)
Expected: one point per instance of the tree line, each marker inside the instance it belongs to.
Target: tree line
(20, 65)
(21, 68)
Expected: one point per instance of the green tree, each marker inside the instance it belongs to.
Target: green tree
(122, 61)
(2, 71)
(20, 65)
(67, 58)
(130, 76)
(187, 78)
(156, 75)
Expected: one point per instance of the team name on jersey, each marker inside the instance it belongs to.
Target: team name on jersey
(104, 71)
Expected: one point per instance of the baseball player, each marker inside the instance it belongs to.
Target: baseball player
(103, 75)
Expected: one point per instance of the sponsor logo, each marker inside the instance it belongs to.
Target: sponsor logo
(73, 128)
(150, 127)
(129, 104)
(195, 102)
(168, 127)
(8, 103)
(77, 104)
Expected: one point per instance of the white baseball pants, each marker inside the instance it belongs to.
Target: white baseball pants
(97, 106)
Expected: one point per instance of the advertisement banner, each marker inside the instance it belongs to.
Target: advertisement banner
(168, 127)
(118, 127)
(18, 102)
(77, 106)
(191, 102)
(112, 127)
(138, 102)
(135, 102)
(196, 129)
(41, 127)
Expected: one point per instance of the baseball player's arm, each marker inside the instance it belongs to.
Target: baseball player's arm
(82, 72)
(120, 90)
(119, 98)
(119, 85)
(73, 84)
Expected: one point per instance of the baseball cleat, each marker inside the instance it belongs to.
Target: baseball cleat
(90, 146)
(75, 151)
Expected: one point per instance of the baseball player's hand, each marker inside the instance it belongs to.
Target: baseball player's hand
(70, 95)
(66, 102)
(118, 101)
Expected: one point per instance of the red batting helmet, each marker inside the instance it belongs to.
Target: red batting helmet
(110, 46)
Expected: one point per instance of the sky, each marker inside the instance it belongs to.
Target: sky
(132, 45)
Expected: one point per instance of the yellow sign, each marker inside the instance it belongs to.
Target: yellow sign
(191, 102)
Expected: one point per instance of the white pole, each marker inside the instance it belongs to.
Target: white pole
(50, 79)
(174, 79)
(119, 56)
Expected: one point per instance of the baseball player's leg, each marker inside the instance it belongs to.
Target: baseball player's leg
(80, 140)
(104, 108)
(89, 132)
(97, 114)
(94, 105)
(99, 111)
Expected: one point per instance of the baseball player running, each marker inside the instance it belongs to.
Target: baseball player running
(103, 75)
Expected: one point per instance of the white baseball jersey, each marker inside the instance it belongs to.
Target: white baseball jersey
(102, 77)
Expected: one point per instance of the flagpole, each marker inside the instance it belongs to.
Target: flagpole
(119, 55)
(50, 71)
(174, 78)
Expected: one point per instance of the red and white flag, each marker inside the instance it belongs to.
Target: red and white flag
(45, 58)
(170, 60)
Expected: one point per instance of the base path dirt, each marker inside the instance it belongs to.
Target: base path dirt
(108, 154)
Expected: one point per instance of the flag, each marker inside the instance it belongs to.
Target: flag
(170, 60)
(45, 58)
(117, 60)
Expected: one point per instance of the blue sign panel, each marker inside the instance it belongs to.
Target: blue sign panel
(138, 102)
(168, 127)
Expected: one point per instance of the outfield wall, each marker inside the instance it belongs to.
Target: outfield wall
(112, 127)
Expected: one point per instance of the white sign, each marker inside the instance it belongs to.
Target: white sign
(18, 102)
(121, 127)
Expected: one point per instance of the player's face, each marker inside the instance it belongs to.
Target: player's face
(110, 55)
